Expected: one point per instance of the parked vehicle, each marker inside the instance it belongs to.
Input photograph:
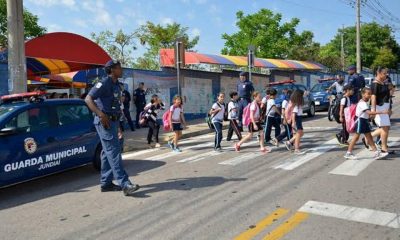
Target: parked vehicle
(309, 103)
(321, 97)
(41, 137)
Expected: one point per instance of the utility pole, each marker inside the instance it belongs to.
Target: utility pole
(342, 49)
(16, 47)
(358, 43)
(250, 59)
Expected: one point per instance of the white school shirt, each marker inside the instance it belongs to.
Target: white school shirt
(256, 110)
(343, 102)
(218, 117)
(176, 114)
(232, 110)
(285, 104)
(298, 110)
(361, 109)
(270, 110)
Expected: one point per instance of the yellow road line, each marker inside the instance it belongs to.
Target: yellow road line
(286, 227)
(261, 225)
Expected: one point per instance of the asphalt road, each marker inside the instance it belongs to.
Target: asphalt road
(200, 194)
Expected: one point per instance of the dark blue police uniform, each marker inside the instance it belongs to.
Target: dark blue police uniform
(140, 103)
(357, 82)
(107, 96)
(244, 90)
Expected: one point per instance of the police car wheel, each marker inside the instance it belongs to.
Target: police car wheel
(311, 112)
(97, 159)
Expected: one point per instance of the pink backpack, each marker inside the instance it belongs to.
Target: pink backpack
(350, 115)
(246, 120)
(166, 123)
(289, 112)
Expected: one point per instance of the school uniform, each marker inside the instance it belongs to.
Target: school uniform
(343, 135)
(288, 128)
(298, 110)
(151, 113)
(363, 125)
(271, 120)
(233, 116)
(382, 93)
(176, 118)
(255, 108)
(217, 120)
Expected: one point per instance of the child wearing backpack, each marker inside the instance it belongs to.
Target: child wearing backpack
(233, 117)
(294, 115)
(271, 118)
(177, 121)
(345, 102)
(363, 113)
(217, 118)
(251, 116)
(287, 127)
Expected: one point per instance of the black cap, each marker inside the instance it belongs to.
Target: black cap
(243, 74)
(351, 67)
(112, 63)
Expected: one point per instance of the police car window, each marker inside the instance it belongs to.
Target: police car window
(32, 120)
(72, 114)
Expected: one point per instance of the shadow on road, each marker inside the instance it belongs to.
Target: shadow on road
(76, 180)
(183, 184)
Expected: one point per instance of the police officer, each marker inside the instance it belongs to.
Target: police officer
(139, 98)
(357, 82)
(245, 89)
(104, 99)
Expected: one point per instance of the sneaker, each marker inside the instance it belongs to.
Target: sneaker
(288, 145)
(171, 145)
(130, 189)
(299, 152)
(218, 149)
(177, 149)
(365, 143)
(237, 147)
(110, 188)
(275, 142)
(379, 155)
(157, 145)
(350, 156)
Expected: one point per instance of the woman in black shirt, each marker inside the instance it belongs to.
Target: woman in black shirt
(151, 112)
(380, 101)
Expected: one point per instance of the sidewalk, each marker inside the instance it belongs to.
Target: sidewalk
(137, 140)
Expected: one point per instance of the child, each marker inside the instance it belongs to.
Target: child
(345, 102)
(271, 119)
(177, 121)
(288, 127)
(297, 102)
(233, 117)
(363, 113)
(255, 125)
(151, 112)
(217, 118)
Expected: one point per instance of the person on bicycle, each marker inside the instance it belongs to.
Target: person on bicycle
(338, 85)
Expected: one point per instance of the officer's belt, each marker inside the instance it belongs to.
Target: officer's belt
(113, 116)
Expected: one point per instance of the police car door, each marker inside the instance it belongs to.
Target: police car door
(24, 152)
(76, 136)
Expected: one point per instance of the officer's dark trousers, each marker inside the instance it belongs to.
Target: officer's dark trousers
(218, 134)
(154, 129)
(111, 160)
(129, 119)
(243, 102)
(139, 109)
(272, 122)
(233, 127)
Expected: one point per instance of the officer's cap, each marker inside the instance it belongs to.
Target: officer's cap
(351, 67)
(112, 63)
(243, 74)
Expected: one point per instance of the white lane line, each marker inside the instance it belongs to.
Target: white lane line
(242, 158)
(364, 159)
(321, 128)
(198, 156)
(134, 154)
(355, 214)
(184, 150)
(296, 161)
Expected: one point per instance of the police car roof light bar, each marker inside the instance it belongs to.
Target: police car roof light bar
(281, 82)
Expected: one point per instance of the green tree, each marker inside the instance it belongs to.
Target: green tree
(373, 38)
(385, 58)
(118, 45)
(271, 37)
(31, 26)
(154, 37)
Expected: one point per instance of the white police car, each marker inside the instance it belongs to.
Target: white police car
(41, 137)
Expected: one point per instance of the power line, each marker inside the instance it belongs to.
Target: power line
(318, 9)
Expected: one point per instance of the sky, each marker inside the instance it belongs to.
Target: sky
(208, 19)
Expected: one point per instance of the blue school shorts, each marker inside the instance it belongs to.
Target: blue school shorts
(363, 126)
(177, 127)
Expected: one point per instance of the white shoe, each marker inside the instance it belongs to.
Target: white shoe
(350, 156)
(299, 152)
(379, 155)
(157, 145)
